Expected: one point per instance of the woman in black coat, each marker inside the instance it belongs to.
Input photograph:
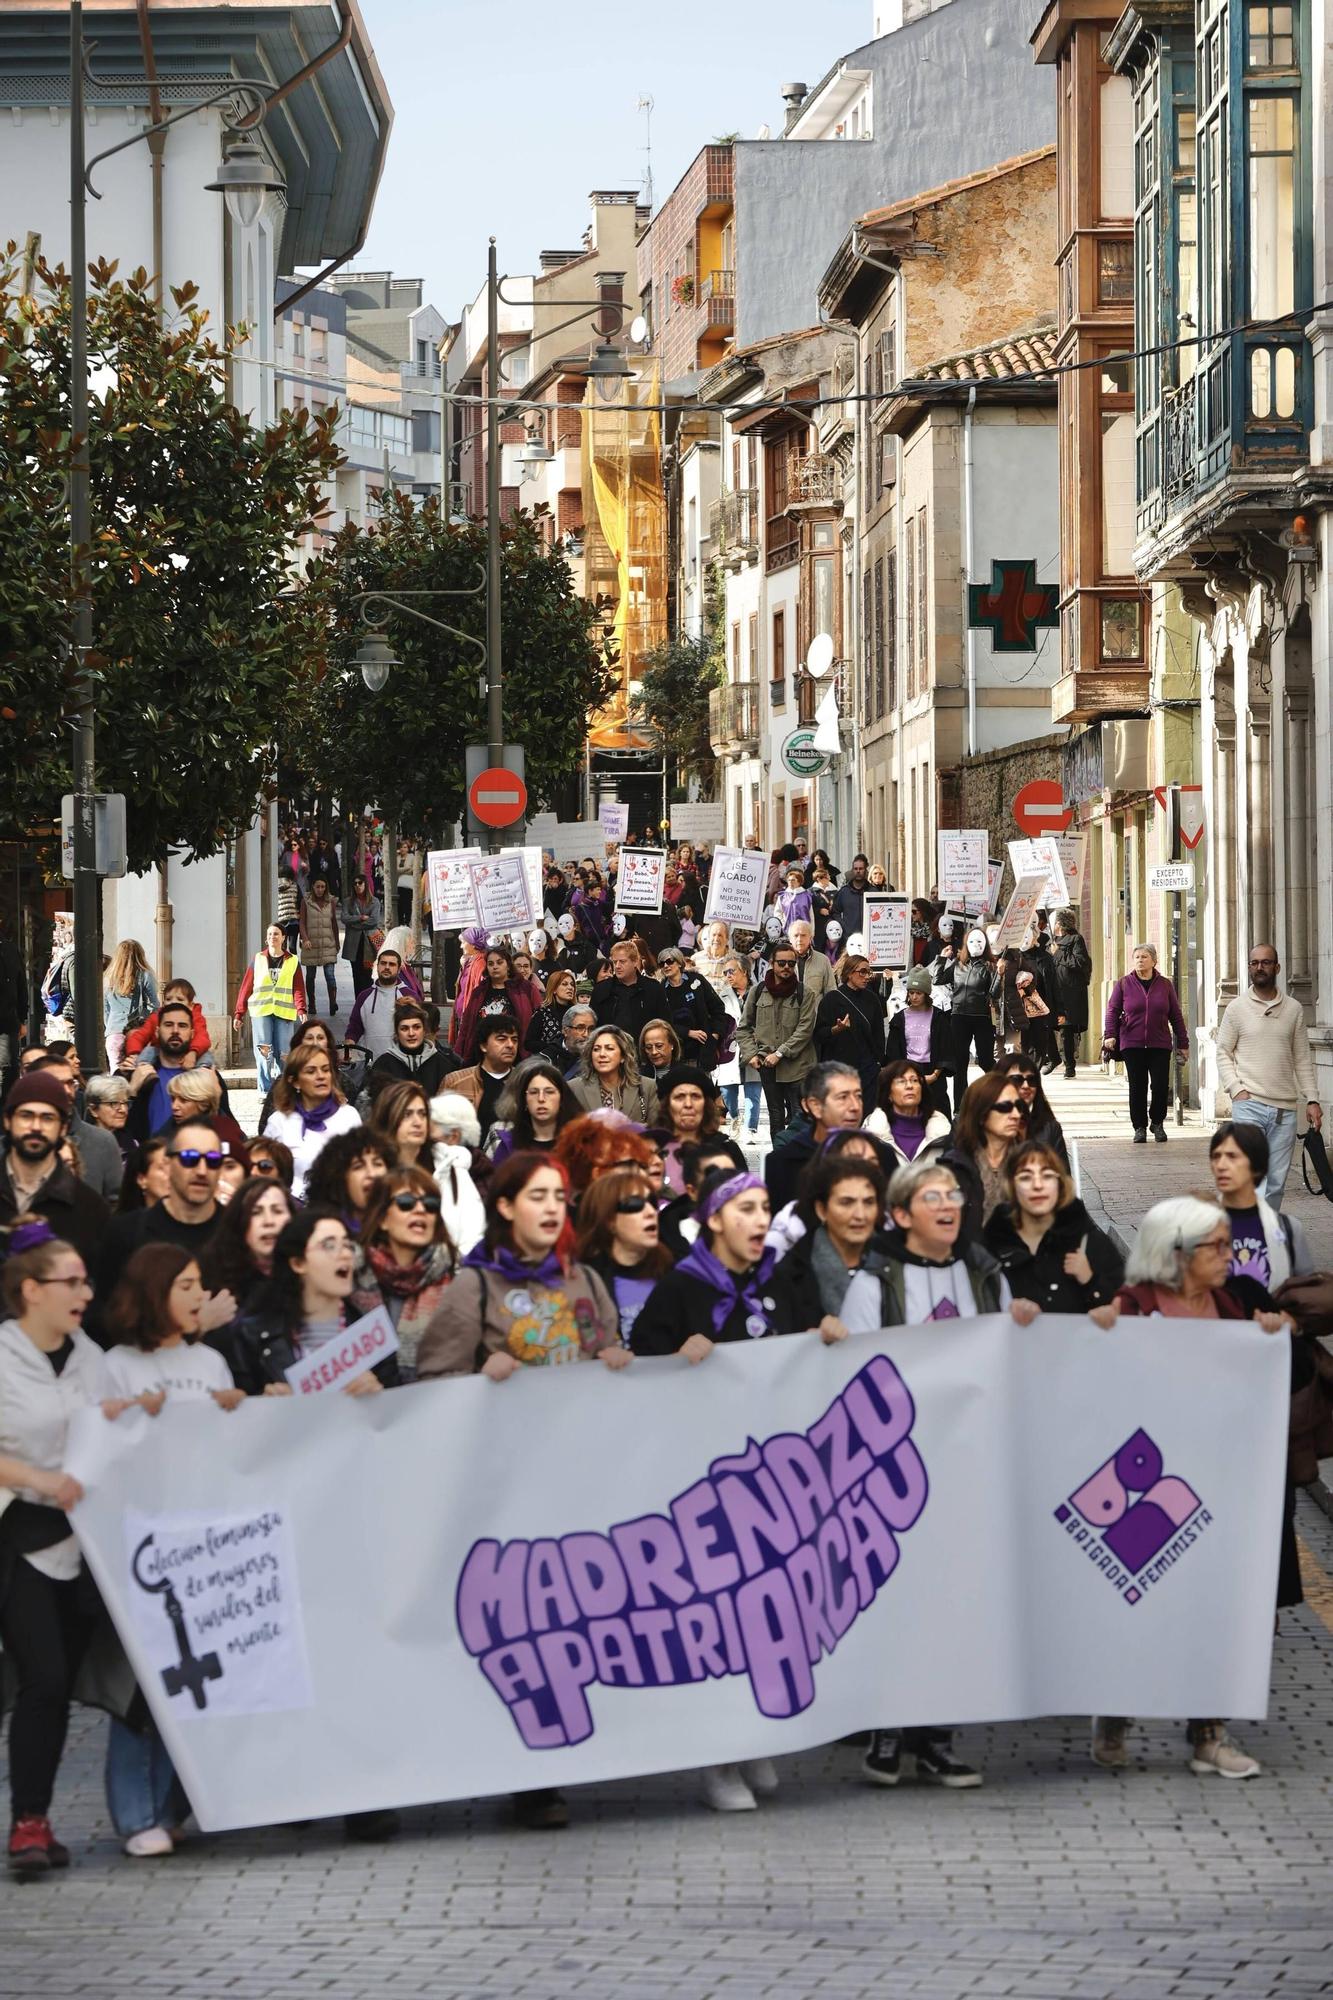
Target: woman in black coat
(1050, 1248)
(1070, 977)
(849, 1026)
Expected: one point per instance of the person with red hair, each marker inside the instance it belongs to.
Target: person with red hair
(590, 1146)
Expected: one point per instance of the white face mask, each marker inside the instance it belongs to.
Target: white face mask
(976, 944)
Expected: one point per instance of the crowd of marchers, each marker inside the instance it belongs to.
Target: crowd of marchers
(556, 1167)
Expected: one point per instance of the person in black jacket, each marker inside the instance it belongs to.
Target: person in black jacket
(32, 1179)
(849, 901)
(1051, 1250)
(627, 998)
(832, 1100)
(1042, 1122)
(302, 1306)
(1070, 977)
(691, 1004)
(849, 1026)
(697, 1162)
(970, 978)
(719, 1289)
(412, 1059)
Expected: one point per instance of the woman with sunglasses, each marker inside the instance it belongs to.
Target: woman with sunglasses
(405, 1257)
(533, 1109)
(401, 1117)
(309, 1110)
(1050, 1249)
(49, 1369)
(619, 1238)
(1042, 1122)
(993, 1119)
(271, 1161)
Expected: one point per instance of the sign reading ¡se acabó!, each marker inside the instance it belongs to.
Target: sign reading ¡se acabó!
(736, 885)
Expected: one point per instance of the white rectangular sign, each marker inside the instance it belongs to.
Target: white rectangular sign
(641, 879)
(1072, 849)
(963, 856)
(1019, 911)
(357, 1349)
(1041, 857)
(614, 822)
(570, 840)
(706, 823)
(533, 866)
(609, 1574)
(887, 928)
(1175, 876)
(736, 884)
(994, 872)
(452, 904)
(500, 891)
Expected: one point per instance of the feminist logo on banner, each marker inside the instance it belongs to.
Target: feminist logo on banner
(758, 1569)
(1133, 1519)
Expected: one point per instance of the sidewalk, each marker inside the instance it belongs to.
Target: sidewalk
(1121, 1180)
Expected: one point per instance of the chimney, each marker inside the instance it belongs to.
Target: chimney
(793, 96)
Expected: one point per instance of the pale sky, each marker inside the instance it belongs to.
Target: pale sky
(507, 116)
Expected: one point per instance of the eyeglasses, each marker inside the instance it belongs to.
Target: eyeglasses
(80, 1284)
(1007, 1104)
(263, 1166)
(407, 1202)
(633, 1204)
(942, 1197)
(1024, 1079)
(190, 1156)
(784, 964)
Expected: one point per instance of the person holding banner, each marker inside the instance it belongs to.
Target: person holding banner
(992, 1120)
(49, 1368)
(301, 1308)
(404, 1257)
(619, 1238)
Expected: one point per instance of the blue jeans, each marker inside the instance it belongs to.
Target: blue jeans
(1279, 1127)
(277, 1031)
(731, 1097)
(142, 1788)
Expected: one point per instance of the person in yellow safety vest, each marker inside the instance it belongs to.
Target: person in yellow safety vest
(274, 991)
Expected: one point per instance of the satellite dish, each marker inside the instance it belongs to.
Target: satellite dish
(638, 329)
(820, 656)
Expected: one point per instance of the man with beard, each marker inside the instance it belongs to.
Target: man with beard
(103, 1163)
(371, 1024)
(1265, 1066)
(34, 1182)
(849, 902)
(150, 1100)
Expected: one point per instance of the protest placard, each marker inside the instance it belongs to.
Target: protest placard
(358, 1348)
(614, 822)
(887, 927)
(452, 904)
(706, 823)
(641, 879)
(963, 866)
(533, 863)
(1041, 857)
(1072, 849)
(500, 891)
(1019, 911)
(736, 885)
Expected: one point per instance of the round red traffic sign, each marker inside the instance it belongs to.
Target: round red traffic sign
(1040, 808)
(498, 798)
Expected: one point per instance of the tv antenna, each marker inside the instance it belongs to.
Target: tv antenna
(645, 105)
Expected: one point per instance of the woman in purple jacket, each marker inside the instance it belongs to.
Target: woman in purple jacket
(1143, 1020)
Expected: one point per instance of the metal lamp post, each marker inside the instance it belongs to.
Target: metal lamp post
(245, 178)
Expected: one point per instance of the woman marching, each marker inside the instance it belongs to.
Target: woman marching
(363, 931)
(533, 1110)
(849, 1024)
(1047, 1244)
(310, 1109)
(1143, 1019)
(320, 940)
(405, 1257)
(609, 1079)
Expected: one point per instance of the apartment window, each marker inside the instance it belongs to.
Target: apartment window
(1115, 272)
(888, 358)
(319, 340)
(1122, 628)
(867, 646)
(890, 653)
(692, 537)
(878, 699)
(298, 336)
(753, 636)
(736, 651)
(1117, 492)
(909, 611)
(1270, 38)
(1116, 105)
(923, 596)
(1271, 162)
(777, 665)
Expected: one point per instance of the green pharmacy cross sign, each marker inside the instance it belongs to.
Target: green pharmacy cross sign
(1013, 605)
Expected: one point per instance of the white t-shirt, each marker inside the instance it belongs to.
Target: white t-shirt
(188, 1373)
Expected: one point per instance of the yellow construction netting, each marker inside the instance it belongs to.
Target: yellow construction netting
(624, 504)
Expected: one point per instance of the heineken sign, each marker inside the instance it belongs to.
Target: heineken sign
(800, 757)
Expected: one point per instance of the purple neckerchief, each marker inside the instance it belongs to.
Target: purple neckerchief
(317, 1120)
(506, 1264)
(733, 1288)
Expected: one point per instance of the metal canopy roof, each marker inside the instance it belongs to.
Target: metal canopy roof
(329, 136)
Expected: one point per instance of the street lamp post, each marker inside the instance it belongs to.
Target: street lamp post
(245, 178)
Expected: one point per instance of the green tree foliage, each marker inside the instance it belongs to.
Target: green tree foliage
(403, 747)
(195, 514)
(674, 685)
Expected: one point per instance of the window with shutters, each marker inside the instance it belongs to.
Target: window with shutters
(878, 697)
(909, 614)
(923, 604)
(867, 647)
(890, 652)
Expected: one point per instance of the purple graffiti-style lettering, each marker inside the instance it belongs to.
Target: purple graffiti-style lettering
(760, 1569)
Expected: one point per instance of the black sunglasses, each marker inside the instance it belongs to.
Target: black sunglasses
(190, 1156)
(1007, 1104)
(407, 1202)
(634, 1204)
(262, 1166)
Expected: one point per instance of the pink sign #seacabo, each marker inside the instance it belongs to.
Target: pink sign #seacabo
(359, 1347)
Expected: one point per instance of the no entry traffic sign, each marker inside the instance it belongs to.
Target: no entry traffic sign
(497, 797)
(1040, 808)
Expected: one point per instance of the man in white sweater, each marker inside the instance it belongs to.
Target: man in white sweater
(1265, 1066)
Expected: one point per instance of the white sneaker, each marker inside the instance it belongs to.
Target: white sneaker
(760, 1774)
(153, 1841)
(725, 1790)
(1214, 1752)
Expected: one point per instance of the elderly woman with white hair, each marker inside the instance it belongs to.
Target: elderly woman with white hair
(1178, 1269)
(456, 1136)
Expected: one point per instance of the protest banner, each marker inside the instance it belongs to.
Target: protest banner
(706, 823)
(578, 1575)
(963, 866)
(614, 822)
(570, 840)
(887, 927)
(736, 884)
(533, 864)
(500, 891)
(1019, 911)
(1041, 857)
(1072, 849)
(641, 879)
(453, 906)
(357, 1349)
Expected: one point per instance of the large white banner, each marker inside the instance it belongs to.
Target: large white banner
(463, 1588)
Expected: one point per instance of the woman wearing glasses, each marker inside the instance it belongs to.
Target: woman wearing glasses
(304, 1304)
(619, 1238)
(532, 1111)
(405, 1257)
(1042, 1123)
(993, 1118)
(49, 1369)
